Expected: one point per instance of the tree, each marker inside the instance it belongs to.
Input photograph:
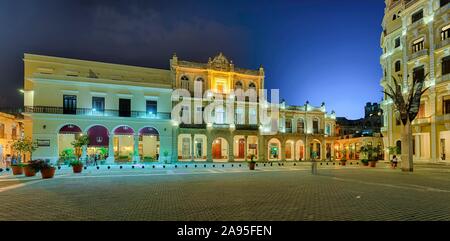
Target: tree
(408, 109)
(24, 146)
(79, 143)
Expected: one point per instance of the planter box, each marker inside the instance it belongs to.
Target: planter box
(77, 168)
(29, 172)
(17, 170)
(48, 173)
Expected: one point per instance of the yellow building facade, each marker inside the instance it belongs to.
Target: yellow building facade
(416, 42)
(130, 113)
(11, 129)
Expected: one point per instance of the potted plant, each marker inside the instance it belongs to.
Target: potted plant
(373, 157)
(365, 162)
(252, 163)
(17, 169)
(77, 166)
(29, 170)
(45, 167)
(344, 157)
(79, 143)
(67, 156)
(23, 146)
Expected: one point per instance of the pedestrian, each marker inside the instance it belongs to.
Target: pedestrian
(394, 162)
(8, 160)
(95, 159)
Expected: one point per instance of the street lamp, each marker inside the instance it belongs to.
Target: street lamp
(305, 129)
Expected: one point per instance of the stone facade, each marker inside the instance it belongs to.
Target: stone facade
(130, 112)
(416, 41)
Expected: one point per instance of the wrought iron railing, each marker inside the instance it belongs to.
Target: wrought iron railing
(93, 112)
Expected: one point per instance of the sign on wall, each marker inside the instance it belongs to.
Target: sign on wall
(43, 143)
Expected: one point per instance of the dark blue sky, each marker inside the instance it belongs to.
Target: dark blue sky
(316, 50)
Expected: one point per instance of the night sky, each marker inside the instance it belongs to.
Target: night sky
(317, 50)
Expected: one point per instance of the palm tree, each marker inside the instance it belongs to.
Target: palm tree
(408, 109)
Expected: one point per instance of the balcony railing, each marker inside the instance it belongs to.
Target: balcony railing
(418, 54)
(247, 127)
(443, 9)
(193, 126)
(92, 112)
(443, 43)
(421, 120)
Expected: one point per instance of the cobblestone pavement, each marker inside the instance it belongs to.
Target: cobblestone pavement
(230, 193)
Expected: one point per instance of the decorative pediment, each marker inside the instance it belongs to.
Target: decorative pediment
(220, 62)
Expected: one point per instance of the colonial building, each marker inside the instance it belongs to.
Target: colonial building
(11, 129)
(415, 43)
(130, 113)
(354, 134)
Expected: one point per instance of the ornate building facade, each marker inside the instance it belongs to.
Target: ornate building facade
(415, 43)
(130, 113)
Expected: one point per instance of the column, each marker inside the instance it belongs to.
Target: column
(261, 150)
(175, 133)
(230, 149)
(433, 135)
(136, 157)
(307, 150)
(209, 141)
(192, 147)
(246, 147)
(84, 153)
(283, 149)
(110, 159)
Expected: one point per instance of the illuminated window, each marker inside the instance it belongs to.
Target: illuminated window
(238, 85)
(418, 45)
(445, 32)
(185, 82)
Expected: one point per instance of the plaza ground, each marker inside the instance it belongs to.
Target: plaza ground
(230, 193)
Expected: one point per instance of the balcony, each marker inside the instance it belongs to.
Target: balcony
(443, 43)
(444, 9)
(418, 54)
(421, 121)
(221, 126)
(443, 118)
(91, 112)
(247, 127)
(193, 126)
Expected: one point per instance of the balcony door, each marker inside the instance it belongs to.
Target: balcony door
(70, 104)
(124, 107)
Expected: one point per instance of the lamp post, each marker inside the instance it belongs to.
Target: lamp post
(305, 129)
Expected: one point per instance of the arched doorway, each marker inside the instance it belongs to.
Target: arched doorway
(184, 147)
(299, 150)
(98, 143)
(239, 147)
(315, 152)
(289, 150)
(220, 149)
(66, 135)
(124, 143)
(274, 149)
(149, 144)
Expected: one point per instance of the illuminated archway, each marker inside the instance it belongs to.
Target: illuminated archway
(274, 150)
